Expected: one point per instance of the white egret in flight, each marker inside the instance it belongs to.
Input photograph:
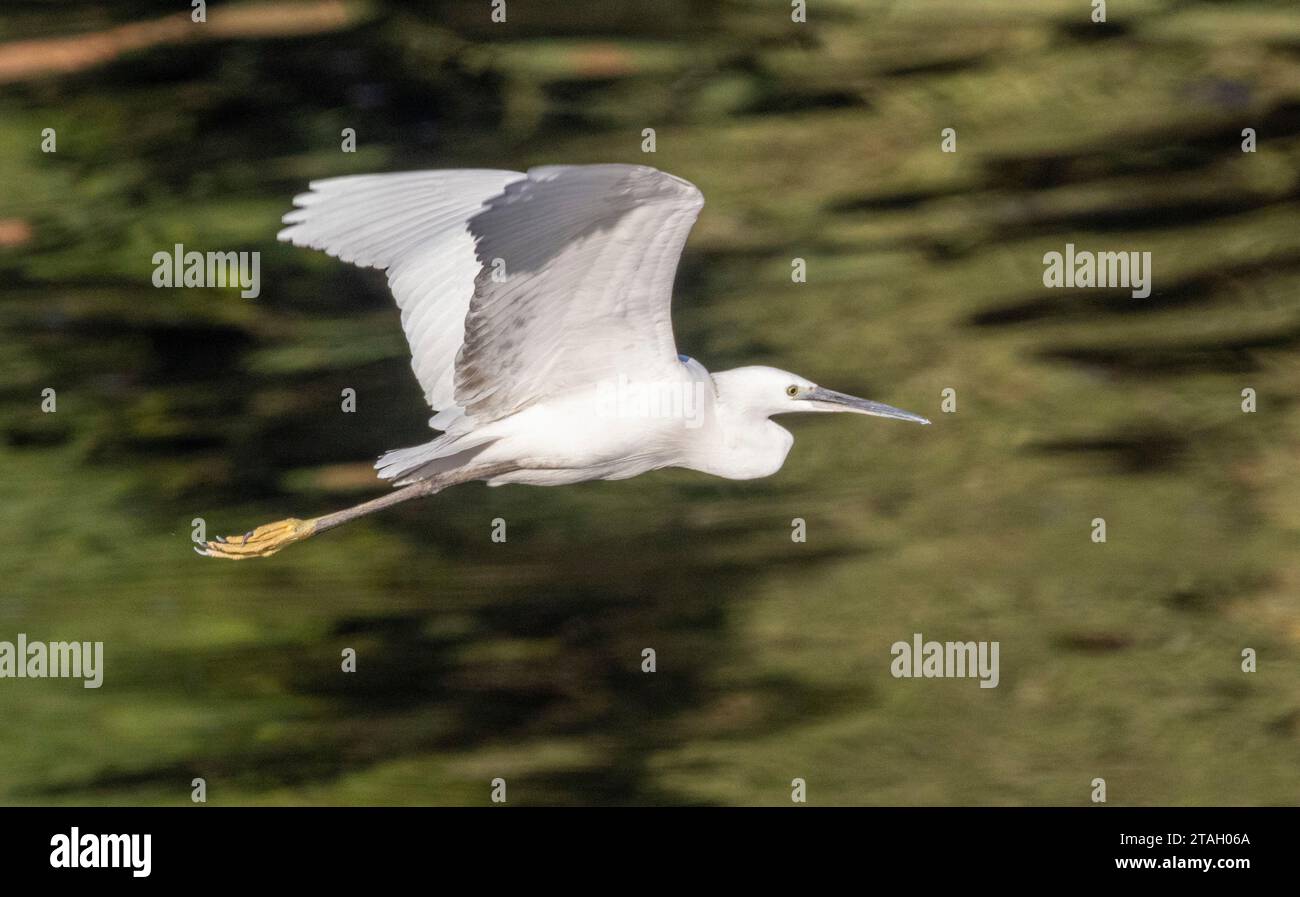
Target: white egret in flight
(537, 309)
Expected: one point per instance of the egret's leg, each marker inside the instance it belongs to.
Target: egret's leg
(269, 538)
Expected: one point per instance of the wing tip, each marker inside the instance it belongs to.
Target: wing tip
(655, 181)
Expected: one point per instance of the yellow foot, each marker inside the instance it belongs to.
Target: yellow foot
(262, 542)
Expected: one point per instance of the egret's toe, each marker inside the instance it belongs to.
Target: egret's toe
(262, 542)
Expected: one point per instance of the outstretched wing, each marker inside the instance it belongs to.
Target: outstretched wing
(576, 283)
(513, 287)
(414, 224)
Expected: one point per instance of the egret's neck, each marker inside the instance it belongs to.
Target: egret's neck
(740, 443)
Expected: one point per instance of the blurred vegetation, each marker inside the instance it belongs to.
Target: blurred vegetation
(522, 659)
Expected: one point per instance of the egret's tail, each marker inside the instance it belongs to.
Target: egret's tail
(410, 465)
(399, 462)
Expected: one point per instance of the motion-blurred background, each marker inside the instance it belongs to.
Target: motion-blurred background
(523, 660)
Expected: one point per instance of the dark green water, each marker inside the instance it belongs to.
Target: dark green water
(522, 660)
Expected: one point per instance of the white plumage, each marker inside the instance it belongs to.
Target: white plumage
(529, 301)
(537, 309)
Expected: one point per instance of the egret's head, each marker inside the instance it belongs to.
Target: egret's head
(770, 391)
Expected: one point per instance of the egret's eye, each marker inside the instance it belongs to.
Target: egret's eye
(792, 390)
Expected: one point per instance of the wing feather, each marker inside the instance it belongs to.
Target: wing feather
(589, 255)
(414, 224)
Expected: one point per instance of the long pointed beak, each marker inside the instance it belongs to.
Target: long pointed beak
(844, 402)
